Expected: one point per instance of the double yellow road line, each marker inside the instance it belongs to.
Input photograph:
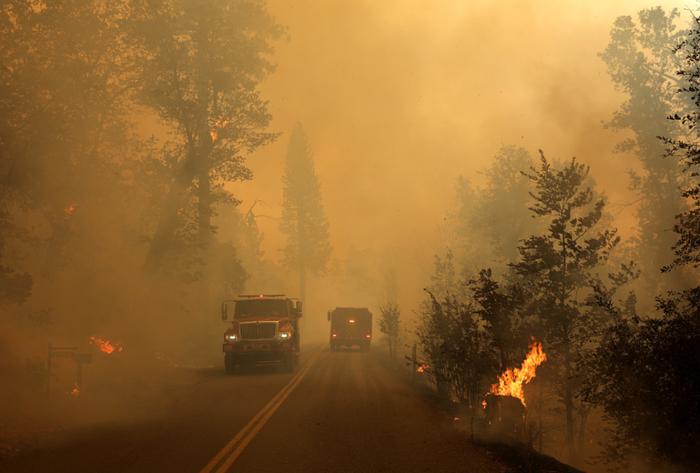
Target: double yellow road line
(223, 460)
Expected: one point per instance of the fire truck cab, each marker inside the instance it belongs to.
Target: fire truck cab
(350, 327)
(264, 329)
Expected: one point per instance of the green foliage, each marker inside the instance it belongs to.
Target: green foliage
(645, 374)
(500, 308)
(560, 267)
(389, 324)
(456, 347)
(495, 214)
(687, 151)
(443, 280)
(201, 63)
(641, 58)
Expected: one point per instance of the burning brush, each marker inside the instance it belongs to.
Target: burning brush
(511, 382)
(106, 346)
(504, 406)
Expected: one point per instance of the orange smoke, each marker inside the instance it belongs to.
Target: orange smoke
(512, 381)
(106, 346)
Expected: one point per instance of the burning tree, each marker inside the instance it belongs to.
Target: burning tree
(560, 265)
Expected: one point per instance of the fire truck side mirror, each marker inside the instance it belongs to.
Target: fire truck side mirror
(224, 312)
(298, 306)
(329, 315)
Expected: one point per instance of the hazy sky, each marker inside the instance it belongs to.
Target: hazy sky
(400, 97)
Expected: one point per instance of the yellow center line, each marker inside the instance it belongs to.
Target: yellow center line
(233, 449)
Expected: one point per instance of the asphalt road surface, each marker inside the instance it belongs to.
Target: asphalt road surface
(339, 412)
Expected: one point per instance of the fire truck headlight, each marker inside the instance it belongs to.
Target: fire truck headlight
(285, 335)
(231, 337)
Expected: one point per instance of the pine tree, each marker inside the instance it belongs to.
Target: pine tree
(303, 218)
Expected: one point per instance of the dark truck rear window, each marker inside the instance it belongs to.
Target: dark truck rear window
(261, 308)
(360, 318)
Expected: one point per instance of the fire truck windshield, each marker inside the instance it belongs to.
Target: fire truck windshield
(261, 308)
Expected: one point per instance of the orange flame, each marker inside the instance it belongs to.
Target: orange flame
(75, 392)
(219, 125)
(422, 367)
(105, 346)
(69, 211)
(512, 381)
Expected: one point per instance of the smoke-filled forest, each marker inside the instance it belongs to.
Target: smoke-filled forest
(510, 190)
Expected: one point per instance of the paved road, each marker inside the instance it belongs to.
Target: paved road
(340, 412)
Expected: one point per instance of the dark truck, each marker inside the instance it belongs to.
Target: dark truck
(264, 329)
(350, 327)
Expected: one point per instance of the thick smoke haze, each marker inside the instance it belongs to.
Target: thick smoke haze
(400, 97)
(158, 157)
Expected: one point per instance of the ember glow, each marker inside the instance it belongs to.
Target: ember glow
(512, 381)
(69, 211)
(218, 126)
(422, 367)
(106, 346)
(75, 392)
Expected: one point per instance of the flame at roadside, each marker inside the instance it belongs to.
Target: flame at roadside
(512, 381)
(106, 346)
(70, 210)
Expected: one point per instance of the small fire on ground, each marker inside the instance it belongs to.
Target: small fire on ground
(75, 392)
(422, 367)
(512, 381)
(70, 209)
(106, 346)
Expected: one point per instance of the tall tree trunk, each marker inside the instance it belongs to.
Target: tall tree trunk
(204, 198)
(583, 420)
(540, 407)
(568, 388)
(204, 137)
(162, 240)
(569, 403)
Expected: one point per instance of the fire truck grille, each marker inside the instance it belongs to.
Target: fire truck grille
(258, 330)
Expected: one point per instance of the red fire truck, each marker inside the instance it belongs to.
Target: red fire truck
(264, 329)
